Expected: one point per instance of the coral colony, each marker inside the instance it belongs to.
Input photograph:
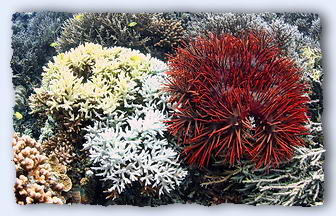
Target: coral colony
(151, 109)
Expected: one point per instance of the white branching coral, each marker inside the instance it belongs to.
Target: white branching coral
(130, 146)
(137, 153)
(287, 36)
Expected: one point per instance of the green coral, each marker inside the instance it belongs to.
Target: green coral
(88, 81)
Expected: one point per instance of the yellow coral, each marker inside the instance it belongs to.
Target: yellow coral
(89, 80)
(312, 57)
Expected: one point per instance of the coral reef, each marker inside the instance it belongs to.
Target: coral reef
(36, 182)
(85, 84)
(235, 116)
(236, 97)
(147, 32)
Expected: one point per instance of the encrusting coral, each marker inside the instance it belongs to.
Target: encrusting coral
(61, 171)
(147, 32)
(236, 97)
(131, 147)
(36, 182)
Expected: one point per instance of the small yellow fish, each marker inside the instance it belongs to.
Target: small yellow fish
(54, 44)
(18, 115)
(131, 24)
(79, 17)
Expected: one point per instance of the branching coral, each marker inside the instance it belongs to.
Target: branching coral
(32, 35)
(136, 154)
(148, 32)
(36, 182)
(312, 58)
(287, 36)
(60, 146)
(298, 183)
(307, 23)
(88, 81)
(131, 146)
(236, 97)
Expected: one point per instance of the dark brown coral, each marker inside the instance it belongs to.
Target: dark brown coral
(60, 146)
(148, 32)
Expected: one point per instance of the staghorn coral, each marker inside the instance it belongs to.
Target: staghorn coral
(286, 36)
(86, 82)
(309, 24)
(236, 97)
(298, 183)
(36, 182)
(130, 146)
(147, 32)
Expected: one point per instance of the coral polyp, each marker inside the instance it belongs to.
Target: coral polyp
(236, 97)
